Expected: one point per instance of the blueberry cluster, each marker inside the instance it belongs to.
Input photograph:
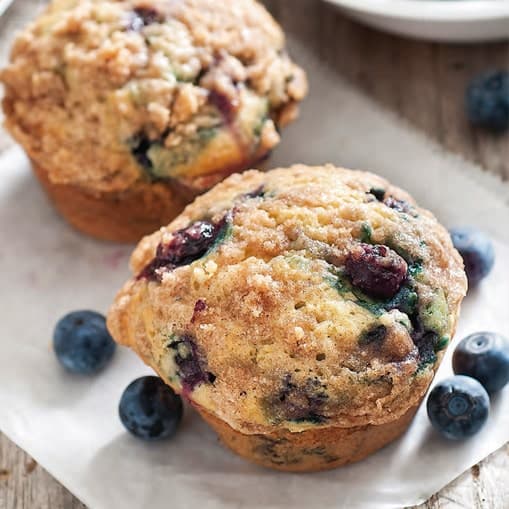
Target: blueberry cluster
(149, 409)
(458, 407)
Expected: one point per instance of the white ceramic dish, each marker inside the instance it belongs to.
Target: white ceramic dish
(437, 20)
(4, 4)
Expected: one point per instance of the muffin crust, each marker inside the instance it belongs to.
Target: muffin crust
(104, 94)
(246, 305)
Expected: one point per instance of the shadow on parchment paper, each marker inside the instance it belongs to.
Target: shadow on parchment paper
(191, 461)
(194, 469)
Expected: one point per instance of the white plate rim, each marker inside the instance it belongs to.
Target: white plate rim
(431, 10)
(4, 4)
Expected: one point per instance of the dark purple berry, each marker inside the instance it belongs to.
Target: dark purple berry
(149, 409)
(405, 301)
(487, 101)
(199, 306)
(378, 193)
(82, 342)
(485, 357)
(376, 270)
(399, 205)
(259, 192)
(458, 407)
(144, 16)
(224, 105)
(426, 342)
(140, 147)
(374, 336)
(477, 251)
(186, 246)
(191, 363)
(299, 402)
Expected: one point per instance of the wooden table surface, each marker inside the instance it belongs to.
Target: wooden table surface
(422, 82)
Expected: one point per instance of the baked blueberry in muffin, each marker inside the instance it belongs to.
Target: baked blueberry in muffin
(301, 314)
(130, 108)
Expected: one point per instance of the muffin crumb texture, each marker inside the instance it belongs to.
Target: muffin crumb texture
(104, 94)
(295, 300)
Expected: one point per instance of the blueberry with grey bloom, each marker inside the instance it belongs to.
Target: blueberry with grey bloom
(477, 251)
(149, 409)
(487, 101)
(485, 357)
(458, 407)
(82, 342)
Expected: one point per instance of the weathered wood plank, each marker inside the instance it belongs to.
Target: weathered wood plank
(25, 485)
(424, 83)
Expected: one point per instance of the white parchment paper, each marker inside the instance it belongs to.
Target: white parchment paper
(69, 424)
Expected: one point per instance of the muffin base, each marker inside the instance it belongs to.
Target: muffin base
(116, 216)
(311, 450)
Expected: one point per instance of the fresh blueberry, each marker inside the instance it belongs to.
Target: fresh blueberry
(487, 101)
(477, 252)
(485, 357)
(149, 409)
(82, 342)
(458, 407)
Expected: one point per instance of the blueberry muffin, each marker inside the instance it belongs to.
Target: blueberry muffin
(302, 312)
(130, 108)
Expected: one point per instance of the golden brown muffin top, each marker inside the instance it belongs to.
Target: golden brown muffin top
(301, 297)
(102, 93)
